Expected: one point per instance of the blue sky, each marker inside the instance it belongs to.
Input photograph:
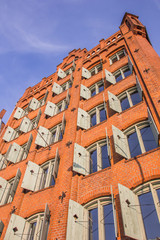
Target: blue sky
(35, 36)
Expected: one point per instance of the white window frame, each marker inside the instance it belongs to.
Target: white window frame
(117, 56)
(97, 110)
(58, 130)
(63, 104)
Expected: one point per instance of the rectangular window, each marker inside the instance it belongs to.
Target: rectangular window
(117, 56)
(122, 73)
(97, 88)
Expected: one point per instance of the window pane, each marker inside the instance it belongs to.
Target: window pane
(102, 115)
(60, 108)
(151, 224)
(125, 104)
(93, 119)
(134, 144)
(100, 88)
(52, 181)
(93, 224)
(60, 135)
(148, 138)
(105, 159)
(93, 161)
(127, 72)
(32, 230)
(121, 55)
(93, 92)
(114, 59)
(118, 77)
(135, 98)
(108, 222)
(70, 84)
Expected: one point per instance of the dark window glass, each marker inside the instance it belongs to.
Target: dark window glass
(99, 68)
(125, 104)
(93, 92)
(60, 108)
(93, 224)
(109, 222)
(150, 220)
(93, 119)
(60, 135)
(118, 77)
(105, 159)
(121, 55)
(32, 230)
(64, 88)
(102, 115)
(134, 144)
(52, 181)
(114, 59)
(135, 98)
(53, 136)
(93, 73)
(101, 88)
(45, 172)
(158, 193)
(70, 84)
(93, 161)
(127, 72)
(66, 105)
(148, 138)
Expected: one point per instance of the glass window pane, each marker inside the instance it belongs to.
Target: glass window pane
(102, 115)
(93, 224)
(148, 138)
(158, 193)
(32, 230)
(70, 84)
(135, 98)
(114, 59)
(105, 159)
(101, 88)
(93, 119)
(151, 224)
(127, 72)
(121, 55)
(93, 92)
(93, 161)
(125, 104)
(134, 144)
(60, 135)
(118, 77)
(108, 222)
(52, 181)
(60, 108)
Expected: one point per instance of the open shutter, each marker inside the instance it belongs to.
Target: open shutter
(18, 223)
(105, 106)
(83, 120)
(3, 162)
(56, 165)
(74, 65)
(114, 102)
(51, 109)
(110, 77)
(19, 113)
(71, 77)
(81, 160)
(26, 125)
(34, 104)
(131, 213)
(15, 183)
(43, 137)
(108, 144)
(45, 223)
(29, 144)
(85, 92)
(9, 134)
(130, 64)
(30, 176)
(61, 73)
(63, 123)
(75, 225)
(85, 73)
(139, 88)
(1, 227)
(67, 97)
(45, 98)
(37, 118)
(153, 126)
(120, 142)
(114, 213)
(4, 190)
(57, 89)
(15, 153)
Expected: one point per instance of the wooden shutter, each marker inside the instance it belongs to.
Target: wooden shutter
(1, 227)
(37, 118)
(57, 89)
(139, 88)
(51, 109)
(63, 123)
(15, 183)
(114, 102)
(19, 113)
(61, 73)
(110, 77)
(131, 213)
(75, 226)
(153, 126)
(18, 223)
(45, 98)
(85, 73)
(130, 64)
(26, 125)
(15, 153)
(3, 162)
(34, 104)
(108, 144)
(67, 97)
(45, 223)
(120, 142)
(74, 65)
(29, 144)
(43, 137)
(31, 175)
(4, 190)
(114, 212)
(9, 134)
(71, 77)
(56, 164)
(83, 119)
(85, 92)
(81, 160)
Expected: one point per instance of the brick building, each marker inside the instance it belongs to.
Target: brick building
(79, 154)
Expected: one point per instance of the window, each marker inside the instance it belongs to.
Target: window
(56, 133)
(93, 221)
(97, 115)
(114, 58)
(69, 71)
(122, 73)
(96, 69)
(66, 85)
(62, 105)
(97, 88)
